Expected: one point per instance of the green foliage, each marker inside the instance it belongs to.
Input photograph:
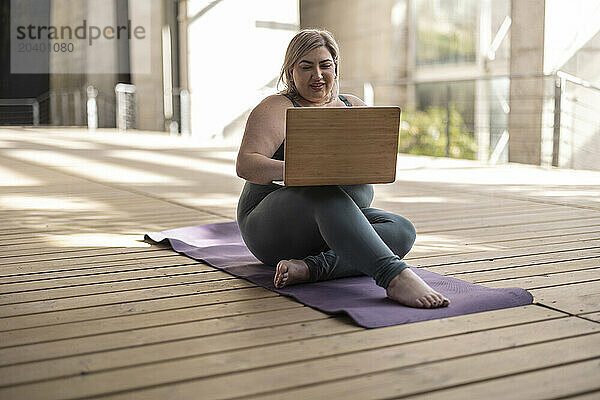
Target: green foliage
(444, 48)
(424, 133)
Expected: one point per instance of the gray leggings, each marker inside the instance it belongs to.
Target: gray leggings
(332, 229)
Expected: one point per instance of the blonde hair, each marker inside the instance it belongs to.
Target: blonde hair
(305, 41)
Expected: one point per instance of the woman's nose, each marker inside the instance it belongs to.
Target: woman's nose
(318, 73)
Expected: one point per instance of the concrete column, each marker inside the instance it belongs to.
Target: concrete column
(365, 32)
(527, 83)
(482, 119)
(149, 93)
(482, 92)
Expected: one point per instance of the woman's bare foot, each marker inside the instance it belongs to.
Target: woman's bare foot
(409, 289)
(290, 272)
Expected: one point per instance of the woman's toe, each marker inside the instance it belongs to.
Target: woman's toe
(425, 301)
(432, 300)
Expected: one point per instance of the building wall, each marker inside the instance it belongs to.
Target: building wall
(371, 39)
(577, 52)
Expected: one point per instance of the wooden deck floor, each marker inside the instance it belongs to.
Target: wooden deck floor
(89, 310)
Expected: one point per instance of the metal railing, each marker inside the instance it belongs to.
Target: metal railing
(91, 107)
(450, 116)
(20, 111)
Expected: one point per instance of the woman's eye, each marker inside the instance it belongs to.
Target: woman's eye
(325, 65)
(305, 68)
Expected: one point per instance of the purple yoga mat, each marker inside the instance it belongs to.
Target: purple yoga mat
(221, 246)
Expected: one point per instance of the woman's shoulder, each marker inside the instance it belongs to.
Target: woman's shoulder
(270, 108)
(354, 100)
(275, 100)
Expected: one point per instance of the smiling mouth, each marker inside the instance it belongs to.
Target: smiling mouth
(318, 86)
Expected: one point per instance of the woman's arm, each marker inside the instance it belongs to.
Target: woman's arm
(265, 130)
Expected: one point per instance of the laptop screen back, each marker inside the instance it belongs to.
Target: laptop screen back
(341, 146)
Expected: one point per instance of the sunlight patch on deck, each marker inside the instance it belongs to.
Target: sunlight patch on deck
(30, 202)
(168, 160)
(59, 143)
(420, 199)
(510, 175)
(210, 200)
(427, 242)
(149, 140)
(93, 169)
(10, 177)
(569, 193)
(221, 155)
(97, 240)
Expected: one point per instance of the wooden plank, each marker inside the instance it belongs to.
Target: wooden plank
(533, 229)
(510, 239)
(69, 330)
(95, 300)
(419, 379)
(83, 205)
(551, 248)
(432, 248)
(133, 308)
(532, 235)
(550, 280)
(106, 268)
(144, 336)
(461, 206)
(84, 209)
(57, 254)
(140, 226)
(587, 396)
(451, 214)
(558, 239)
(90, 263)
(249, 355)
(481, 222)
(507, 261)
(89, 363)
(594, 316)
(92, 279)
(149, 224)
(577, 298)
(511, 272)
(117, 226)
(564, 380)
(83, 220)
(500, 353)
(135, 284)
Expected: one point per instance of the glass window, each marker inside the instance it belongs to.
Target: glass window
(444, 108)
(447, 31)
(460, 95)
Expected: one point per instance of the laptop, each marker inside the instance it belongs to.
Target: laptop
(340, 146)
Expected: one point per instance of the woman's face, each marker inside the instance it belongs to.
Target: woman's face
(314, 75)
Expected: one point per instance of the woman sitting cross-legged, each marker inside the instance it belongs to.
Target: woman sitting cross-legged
(315, 233)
